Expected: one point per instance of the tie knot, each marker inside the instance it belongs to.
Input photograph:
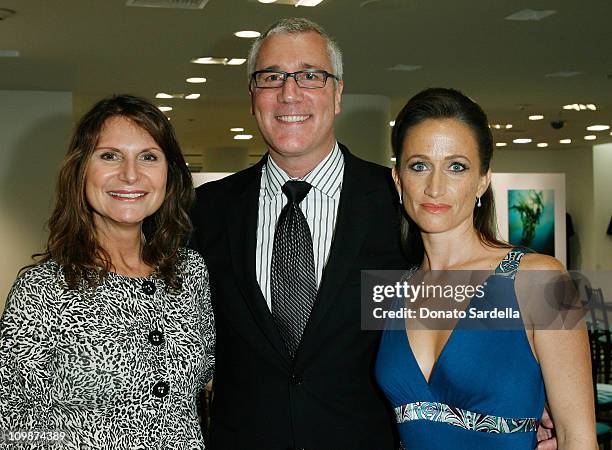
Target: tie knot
(296, 190)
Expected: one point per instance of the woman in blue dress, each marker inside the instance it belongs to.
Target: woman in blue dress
(460, 388)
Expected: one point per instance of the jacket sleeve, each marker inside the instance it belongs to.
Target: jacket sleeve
(203, 295)
(27, 332)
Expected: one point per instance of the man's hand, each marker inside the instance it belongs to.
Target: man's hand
(546, 433)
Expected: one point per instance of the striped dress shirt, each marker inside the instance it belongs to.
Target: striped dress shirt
(320, 208)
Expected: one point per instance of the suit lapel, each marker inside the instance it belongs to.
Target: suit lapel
(242, 231)
(354, 210)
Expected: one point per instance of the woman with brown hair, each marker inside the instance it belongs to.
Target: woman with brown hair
(480, 381)
(106, 341)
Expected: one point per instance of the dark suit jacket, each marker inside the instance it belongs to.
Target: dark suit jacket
(327, 398)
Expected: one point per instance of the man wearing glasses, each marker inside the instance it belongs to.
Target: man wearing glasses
(285, 241)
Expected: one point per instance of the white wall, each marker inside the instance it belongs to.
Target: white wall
(602, 178)
(577, 164)
(34, 132)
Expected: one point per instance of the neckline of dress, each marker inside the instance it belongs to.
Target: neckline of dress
(450, 336)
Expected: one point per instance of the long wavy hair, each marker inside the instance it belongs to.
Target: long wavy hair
(72, 241)
(443, 103)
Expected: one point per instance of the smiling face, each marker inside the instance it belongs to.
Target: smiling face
(439, 175)
(296, 122)
(125, 179)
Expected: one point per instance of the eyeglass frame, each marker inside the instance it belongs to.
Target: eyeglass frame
(287, 75)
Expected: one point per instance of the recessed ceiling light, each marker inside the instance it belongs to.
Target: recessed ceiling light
(565, 141)
(162, 95)
(196, 80)
(209, 60)
(590, 137)
(542, 144)
(392, 123)
(206, 60)
(247, 34)
(522, 141)
(192, 96)
(598, 128)
(222, 61)
(237, 129)
(530, 14)
(393, 159)
(266, 1)
(307, 2)
(581, 107)
(536, 117)
(499, 126)
(243, 137)
(165, 108)
(500, 144)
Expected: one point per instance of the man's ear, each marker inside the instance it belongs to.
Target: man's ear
(338, 96)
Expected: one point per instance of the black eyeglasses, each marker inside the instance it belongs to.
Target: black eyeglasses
(307, 79)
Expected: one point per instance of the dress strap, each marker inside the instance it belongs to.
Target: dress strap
(508, 267)
(462, 418)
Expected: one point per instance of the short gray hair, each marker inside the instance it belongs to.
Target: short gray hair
(296, 25)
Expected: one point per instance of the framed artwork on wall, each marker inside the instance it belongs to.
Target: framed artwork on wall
(531, 211)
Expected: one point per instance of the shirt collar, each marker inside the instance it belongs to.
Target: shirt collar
(325, 177)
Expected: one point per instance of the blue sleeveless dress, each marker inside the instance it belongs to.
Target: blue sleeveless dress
(485, 391)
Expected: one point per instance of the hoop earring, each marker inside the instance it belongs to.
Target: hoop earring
(479, 204)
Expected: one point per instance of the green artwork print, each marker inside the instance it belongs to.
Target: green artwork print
(531, 219)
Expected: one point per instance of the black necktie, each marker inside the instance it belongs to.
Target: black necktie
(293, 279)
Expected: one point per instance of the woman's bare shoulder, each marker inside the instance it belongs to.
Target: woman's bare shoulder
(538, 261)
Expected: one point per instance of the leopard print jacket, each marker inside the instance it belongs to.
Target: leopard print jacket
(118, 367)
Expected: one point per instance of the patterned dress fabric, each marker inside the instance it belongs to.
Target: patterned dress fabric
(118, 367)
(485, 391)
(468, 420)
(293, 278)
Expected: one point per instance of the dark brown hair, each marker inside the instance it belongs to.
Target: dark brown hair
(72, 240)
(443, 103)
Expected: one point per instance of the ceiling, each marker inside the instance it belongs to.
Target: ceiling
(98, 47)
